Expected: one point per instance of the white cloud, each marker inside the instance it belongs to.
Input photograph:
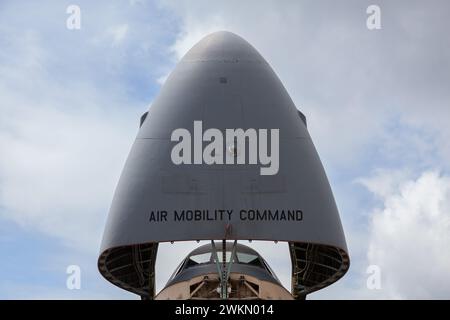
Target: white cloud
(58, 170)
(161, 80)
(68, 121)
(410, 236)
(118, 33)
(384, 182)
(59, 181)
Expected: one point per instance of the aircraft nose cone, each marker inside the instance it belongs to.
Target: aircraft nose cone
(225, 82)
(223, 46)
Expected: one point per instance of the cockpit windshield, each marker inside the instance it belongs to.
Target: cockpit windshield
(247, 258)
(201, 258)
(240, 257)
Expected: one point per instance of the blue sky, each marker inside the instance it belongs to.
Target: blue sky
(377, 104)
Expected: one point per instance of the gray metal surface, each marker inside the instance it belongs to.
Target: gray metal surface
(226, 83)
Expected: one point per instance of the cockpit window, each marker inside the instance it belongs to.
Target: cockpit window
(246, 258)
(240, 257)
(201, 258)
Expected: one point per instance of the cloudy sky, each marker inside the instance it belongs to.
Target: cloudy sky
(377, 104)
